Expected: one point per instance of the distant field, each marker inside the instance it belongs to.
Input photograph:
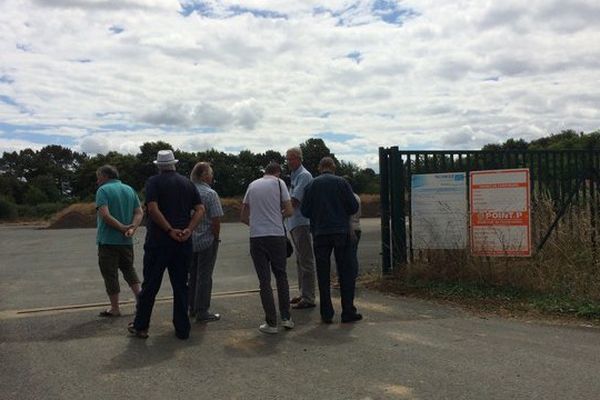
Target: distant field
(83, 215)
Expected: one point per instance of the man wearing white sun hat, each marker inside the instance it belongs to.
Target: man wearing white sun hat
(170, 199)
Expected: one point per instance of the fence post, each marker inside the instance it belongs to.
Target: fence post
(384, 201)
(398, 189)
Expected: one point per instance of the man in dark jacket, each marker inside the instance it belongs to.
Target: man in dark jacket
(328, 203)
(170, 198)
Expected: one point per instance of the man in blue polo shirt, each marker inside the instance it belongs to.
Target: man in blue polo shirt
(299, 227)
(171, 198)
(119, 215)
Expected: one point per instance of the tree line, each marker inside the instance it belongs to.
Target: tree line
(56, 175)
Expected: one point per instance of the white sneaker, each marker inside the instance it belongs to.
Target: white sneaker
(266, 328)
(287, 323)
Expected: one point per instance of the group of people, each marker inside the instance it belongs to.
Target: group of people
(182, 236)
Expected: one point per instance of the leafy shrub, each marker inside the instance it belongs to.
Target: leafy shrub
(8, 209)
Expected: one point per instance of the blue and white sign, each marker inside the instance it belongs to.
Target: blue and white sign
(439, 211)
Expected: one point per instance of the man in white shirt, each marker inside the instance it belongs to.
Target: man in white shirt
(266, 203)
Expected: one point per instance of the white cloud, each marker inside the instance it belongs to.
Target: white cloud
(454, 74)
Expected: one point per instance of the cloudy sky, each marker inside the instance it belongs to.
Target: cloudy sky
(100, 75)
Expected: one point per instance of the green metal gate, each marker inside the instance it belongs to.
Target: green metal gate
(564, 176)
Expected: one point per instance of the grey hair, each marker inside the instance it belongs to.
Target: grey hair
(297, 151)
(273, 168)
(166, 167)
(200, 170)
(327, 164)
(108, 171)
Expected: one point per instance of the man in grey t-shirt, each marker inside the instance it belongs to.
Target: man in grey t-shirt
(265, 204)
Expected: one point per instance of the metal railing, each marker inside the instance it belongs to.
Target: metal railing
(563, 176)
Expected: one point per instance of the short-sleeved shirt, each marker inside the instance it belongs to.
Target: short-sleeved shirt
(176, 197)
(203, 235)
(121, 201)
(300, 178)
(263, 198)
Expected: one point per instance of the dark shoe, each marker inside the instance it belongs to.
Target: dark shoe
(352, 318)
(302, 304)
(208, 317)
(182, 335)
(136, 333)
(296, 299)
(326, 320)
(108, 314)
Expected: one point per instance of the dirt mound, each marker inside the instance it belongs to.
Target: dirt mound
(370, 205)
(73, 220)
(79, 215)
(83, 215)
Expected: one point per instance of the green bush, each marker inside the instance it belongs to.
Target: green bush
(34, 195)
(8, 209)
(42, 210)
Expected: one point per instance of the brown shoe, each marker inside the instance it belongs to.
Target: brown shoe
(302, 304)
(296, 300)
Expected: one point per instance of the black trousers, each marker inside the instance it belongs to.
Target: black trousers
(347, 269)
(268, 254)
(175, 258)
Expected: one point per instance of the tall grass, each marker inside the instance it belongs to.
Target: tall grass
(567, 266)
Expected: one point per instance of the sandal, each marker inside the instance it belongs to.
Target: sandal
(108, 314)
(303, 304)
(136, 333)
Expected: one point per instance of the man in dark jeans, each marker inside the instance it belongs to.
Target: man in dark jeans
(265, 204)
(170, 199)
(328, 203)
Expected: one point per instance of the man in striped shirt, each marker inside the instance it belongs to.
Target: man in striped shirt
(205, 240)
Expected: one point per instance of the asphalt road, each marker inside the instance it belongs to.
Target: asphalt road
(403, 349)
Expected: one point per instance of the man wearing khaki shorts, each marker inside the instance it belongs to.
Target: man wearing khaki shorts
(119, 215)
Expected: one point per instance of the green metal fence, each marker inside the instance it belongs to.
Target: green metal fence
(564, 176)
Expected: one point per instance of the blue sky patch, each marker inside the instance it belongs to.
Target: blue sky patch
(238, 10)
(8, 100)
(205, 9)
(6, 79)
(24, 47)
(116, 29)
(391, 12)
(356, 56)
(199, 7)
(336, 137)
(27, 133)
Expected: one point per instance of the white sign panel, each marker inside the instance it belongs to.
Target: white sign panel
(500, 213)
(439, 211)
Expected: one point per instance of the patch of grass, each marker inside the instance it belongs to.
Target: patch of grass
(500, 300)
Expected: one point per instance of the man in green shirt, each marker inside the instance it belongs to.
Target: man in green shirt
(119, 215)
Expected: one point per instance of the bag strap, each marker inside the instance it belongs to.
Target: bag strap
(280, 203)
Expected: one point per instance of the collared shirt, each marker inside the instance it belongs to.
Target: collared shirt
(203, 235)
(300, 178)
(121, 201)
(176, 197)
(265, 197)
